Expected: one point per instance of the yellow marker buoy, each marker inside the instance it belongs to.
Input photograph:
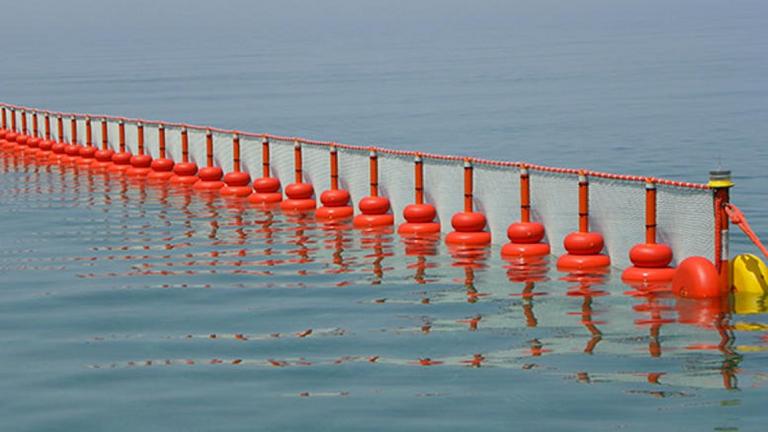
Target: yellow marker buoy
(750, 284)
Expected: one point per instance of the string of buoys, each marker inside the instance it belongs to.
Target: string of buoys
(695, 277)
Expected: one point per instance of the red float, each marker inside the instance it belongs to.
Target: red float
(162, 167)
(237, 182)
(266, 189)
(299, 194)
(335, 201)
(419, 217)
(696, 277)
(525, 236)
(468, 225)
(374, 208)
(121, 160)
(184, 172)
(210, 176)
(650, 260)
(584, 247)
(141, 163)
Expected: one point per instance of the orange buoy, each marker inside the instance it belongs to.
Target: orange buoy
(162, 167)
(104, 155)
(72, 150)
(300, 195)
(87, 152)
(58, 147)
(266, 189)
(209, 176)
(141, 163)
(469, 225)
(525, 237)
(121, 160)
(650, 260)
(696, 277)
(3, 127)
(335, 201)
(374, 208)
(420, 216)
(184, 172)
(45, 143)
(584, 247)
(237, 182)
(10, 135)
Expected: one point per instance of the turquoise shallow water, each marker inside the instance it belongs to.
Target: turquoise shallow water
(111, 293)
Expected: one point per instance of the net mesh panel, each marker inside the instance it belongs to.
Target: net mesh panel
(281, 161)
(151, 144)
(497, 194)
(173, 143)
(96, 133)
(317, 167)
(250, 156)
(131, 138)
(113, 134)
(686, 221)
(81, 131)
(222, 151)
(396, 182)
(196, 146)
(443, 188)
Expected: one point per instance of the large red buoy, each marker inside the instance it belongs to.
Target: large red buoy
(584, 247)
(266, 188)
(374, 208)
(237, 182)
(184, 172)
(420, 216)
(650, 260)
(162, 167)
(697, 277)
(210, 176)
(335, 201)
(121, 160)
(469, 225)
(525, 237)
(300, 195)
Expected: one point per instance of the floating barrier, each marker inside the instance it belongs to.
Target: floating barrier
(419, 192)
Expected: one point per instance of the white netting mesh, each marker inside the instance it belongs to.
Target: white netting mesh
(173, 143)
(196, 146)
(131, 138)
(250, 156)
(151, 144)
(113, 135)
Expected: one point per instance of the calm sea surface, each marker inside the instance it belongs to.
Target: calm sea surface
(129, 307)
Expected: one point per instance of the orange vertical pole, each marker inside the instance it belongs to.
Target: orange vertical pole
(5, 122)
(88, 132)
(525, 195)
(209, 148)
(24, 123)
(374, 174)
(73, 131)
(265, 157)
(121, 129)
(468, 186)
(161, 139)
(236, 153)
(13, 120)
(418, 175)
(47, 126)
(140, 137)
(650, 212)
(184, 145)
(721, 183)
(34, 124)
(583, 203)
(334, 169)
(60, 128)
(104, 134)
(297, 162)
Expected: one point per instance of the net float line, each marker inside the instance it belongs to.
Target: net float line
(209, 176)
(335, 201)
(300, 195)
(375, 209)
(525, 237)
(266, 188)
(121, 160)
(650, 259)
(419, 216)
(237, 182)
(469, 225)
(184, 172)
(584, 248)
(162, 167)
